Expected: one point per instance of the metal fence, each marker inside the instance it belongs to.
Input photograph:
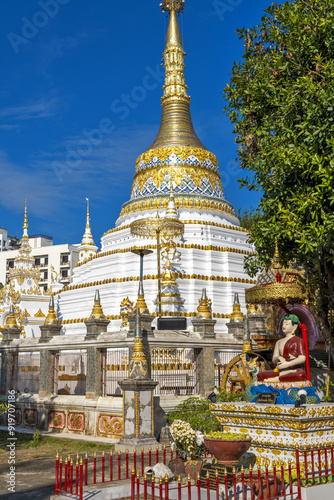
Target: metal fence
(77, 473)
(27, 377)
(115, 367)
(176, 371)
(70, 372)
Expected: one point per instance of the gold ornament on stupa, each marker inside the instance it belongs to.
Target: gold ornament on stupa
(176, 152)
(237, 315)
(138, 367)
(51, 318)
(11, 319)
(277, 285)
(97, 311)
(204, 308)
(87, 248)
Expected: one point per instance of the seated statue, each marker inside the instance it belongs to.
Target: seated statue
(289, 355)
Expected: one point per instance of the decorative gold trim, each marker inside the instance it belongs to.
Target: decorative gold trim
(39, 314)
(153, 277)
(183, 152)
(115, 317)
(271, 293)
(185, 222)
(139, 205)
(178, 245)
(152, 412)
(137, 412)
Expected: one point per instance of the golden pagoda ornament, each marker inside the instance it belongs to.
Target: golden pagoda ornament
(204, 308)
(237, 315)
(97, 311)
(51, 318)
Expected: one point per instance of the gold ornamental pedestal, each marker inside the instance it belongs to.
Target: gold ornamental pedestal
(159, 228)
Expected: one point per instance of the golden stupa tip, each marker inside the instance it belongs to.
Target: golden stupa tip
(87, 216)
(172, 5)
(173, 37)
(276, 262)
(25, 221)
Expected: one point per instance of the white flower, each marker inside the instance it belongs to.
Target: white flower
(199, 438)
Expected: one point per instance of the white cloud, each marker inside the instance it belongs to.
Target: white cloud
(41, 108)
(107, 171)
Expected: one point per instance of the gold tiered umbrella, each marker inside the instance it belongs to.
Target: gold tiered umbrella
(159, 228)
(278, 286)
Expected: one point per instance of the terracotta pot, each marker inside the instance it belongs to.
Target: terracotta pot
(227, 451)
(177, 466)
(193, 468)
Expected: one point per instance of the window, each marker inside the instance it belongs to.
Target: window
(64, 273)
(45, 275)
(46, 261)
(11, 264)
(64, 259)
(37, 261)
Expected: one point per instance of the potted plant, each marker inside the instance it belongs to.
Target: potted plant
(189, 445)
(227, 447)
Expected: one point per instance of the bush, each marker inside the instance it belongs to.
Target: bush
(227, 397)
(197, 412)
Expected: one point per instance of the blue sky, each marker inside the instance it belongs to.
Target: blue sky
(65, 71)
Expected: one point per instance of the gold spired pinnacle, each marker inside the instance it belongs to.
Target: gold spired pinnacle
(97, 311)
(276, 262)
(204, 308)
(236, 315)
(138, 365)
(25, 221)
(51, 318)
(176, 150)
(176, 128)
(87, 247)
(11, 320)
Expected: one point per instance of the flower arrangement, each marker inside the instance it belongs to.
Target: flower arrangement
(188, 442)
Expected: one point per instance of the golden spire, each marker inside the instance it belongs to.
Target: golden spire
(236, 315)
(87, 247)
(171, 212)
(176, 128)
(204, 308)
(25, 221)
(88, 216)
(11, 320)
(51, 318)
(97, 311)
(276, 262)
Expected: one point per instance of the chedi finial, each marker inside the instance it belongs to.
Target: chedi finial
(25, 221)
(170, 5)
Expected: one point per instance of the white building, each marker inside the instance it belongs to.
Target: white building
(3, 239)
(49, 258)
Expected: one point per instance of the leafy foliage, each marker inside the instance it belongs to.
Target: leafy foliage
(197, 412)
(227, 397)
(280, 99)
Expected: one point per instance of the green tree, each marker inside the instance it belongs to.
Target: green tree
(280, 99)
